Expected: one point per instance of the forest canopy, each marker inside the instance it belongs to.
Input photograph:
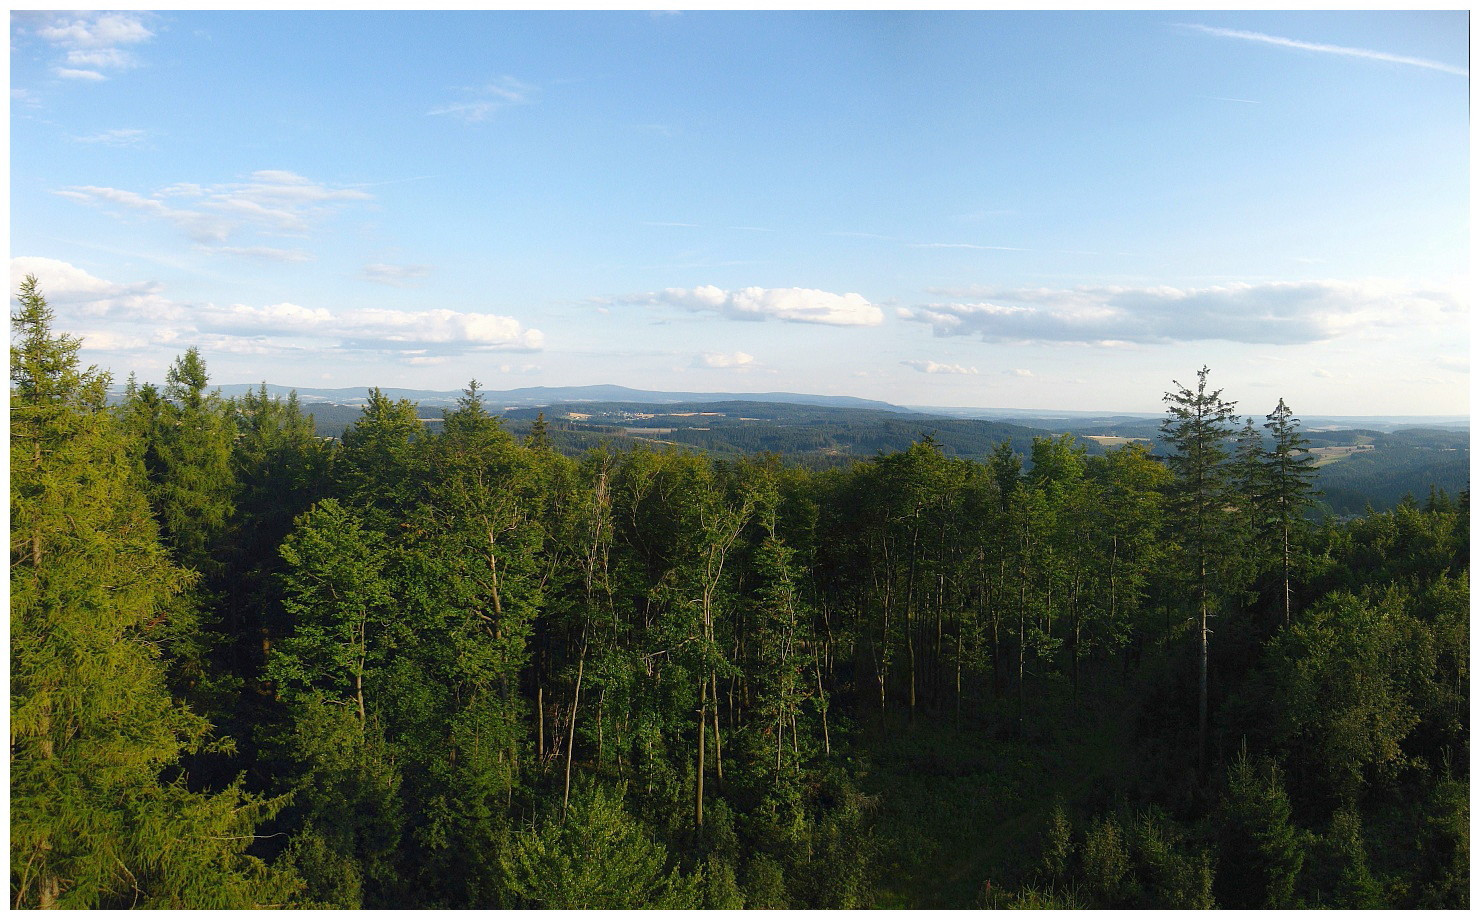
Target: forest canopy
(448, 667)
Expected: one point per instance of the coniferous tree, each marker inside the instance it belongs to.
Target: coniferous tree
(194, 490)
(1290, 481)
(1197, 427)
(1261, 851)
(94, 732)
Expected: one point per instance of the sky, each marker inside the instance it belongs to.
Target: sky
(1025, 210)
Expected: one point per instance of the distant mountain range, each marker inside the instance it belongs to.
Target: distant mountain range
(537, 397)
(534, 397)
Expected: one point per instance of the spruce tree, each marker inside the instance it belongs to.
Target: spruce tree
(193, 486)
(94, 823)
(1290, 478)
(1197, 428)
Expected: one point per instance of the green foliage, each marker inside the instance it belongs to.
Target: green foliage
(765, 885)
(1338, 678)
(1340, 871)
(1058, 847)
(100, 815)
(1031, 898)
(1443, 876)
(192, 486)
(1168, 875)
(1106, 859)
(1260, 850)
(475, 673)
(598, 858)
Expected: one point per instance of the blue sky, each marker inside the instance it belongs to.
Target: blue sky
(1034, 210)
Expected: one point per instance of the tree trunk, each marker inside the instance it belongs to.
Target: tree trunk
(719, 763)
(1285, 565)
(1202, 676)
(822, 707)
(699, 774)
(570, 744)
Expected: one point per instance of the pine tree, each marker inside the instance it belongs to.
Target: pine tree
(1197, 427)
(93, 729)
(1290, 477)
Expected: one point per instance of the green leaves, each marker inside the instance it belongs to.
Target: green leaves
(337, 600)
(599, 858)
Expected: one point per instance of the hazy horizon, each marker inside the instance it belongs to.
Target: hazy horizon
(1051, 211)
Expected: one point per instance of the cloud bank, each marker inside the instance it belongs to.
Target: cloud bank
(1273, 313)
(107, 313)
(793, 305)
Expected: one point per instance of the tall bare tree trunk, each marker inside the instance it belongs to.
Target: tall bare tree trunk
(699, 775)
(570, 744)
(719, 763)
(822, 707)
(1202, 677)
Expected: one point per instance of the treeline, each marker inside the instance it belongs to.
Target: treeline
(448, 668)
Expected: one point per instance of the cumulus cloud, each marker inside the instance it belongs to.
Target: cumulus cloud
(74, 292)
(271, 201)
(482, 101)
(795, 305)
(1296, 312)
(376, 328)
(93, 45)
(139, 312)
(931, 367)
(734, 359)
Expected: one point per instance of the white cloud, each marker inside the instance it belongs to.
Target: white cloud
(735, 359)
(1299, 45)
(795, 305)
(266, 253)
(118, 137)
(94, 30)
(74, 293)
(1278, 313)
(93, 44)
(395, 275)
(485, 100)
(273, 202)
(1020, 372)
(126, 311)
(68, 73)
(930, 367)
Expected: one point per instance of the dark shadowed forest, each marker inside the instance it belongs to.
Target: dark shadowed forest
(449, 667)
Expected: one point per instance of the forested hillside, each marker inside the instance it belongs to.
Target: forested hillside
(1358, 468)
(445, 666)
